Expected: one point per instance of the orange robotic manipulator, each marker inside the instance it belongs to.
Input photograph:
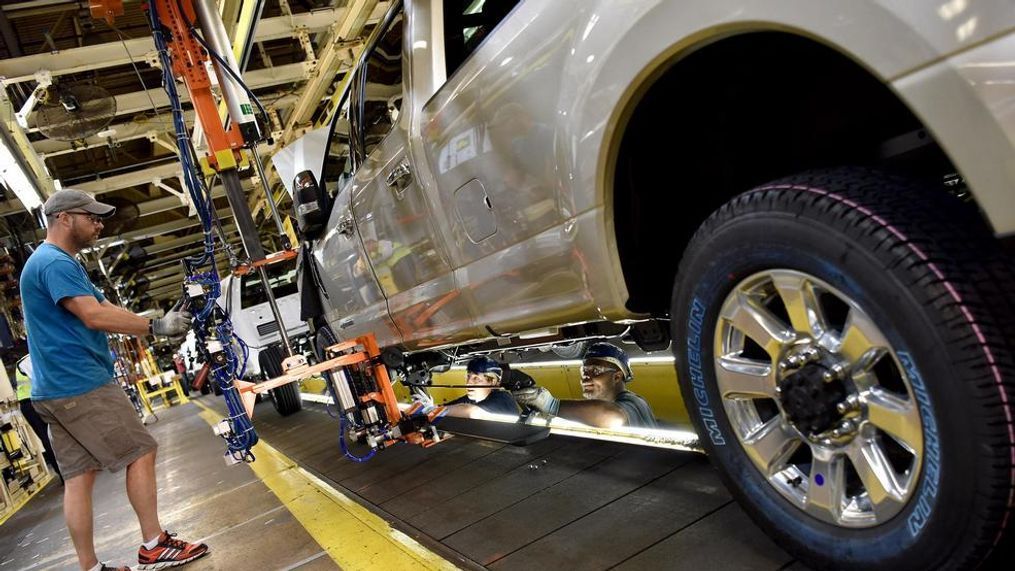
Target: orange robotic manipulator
(357, 375)
(178, 23)
(189, 64)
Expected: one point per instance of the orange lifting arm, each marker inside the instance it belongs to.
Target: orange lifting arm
(365, 354)
(189, 60)
(244, 269)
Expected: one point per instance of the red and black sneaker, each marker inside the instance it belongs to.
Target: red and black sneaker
(169, 552)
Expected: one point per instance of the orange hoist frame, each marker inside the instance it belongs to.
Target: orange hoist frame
(363, 352)
(107, 10)
(189, 59)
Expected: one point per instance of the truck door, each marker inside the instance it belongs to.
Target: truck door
(494, 134)
(354, 303)
(390, 209)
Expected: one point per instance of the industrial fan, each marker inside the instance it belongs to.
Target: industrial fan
(75, 112)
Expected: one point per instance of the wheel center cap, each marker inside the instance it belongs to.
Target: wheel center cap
(812, 398)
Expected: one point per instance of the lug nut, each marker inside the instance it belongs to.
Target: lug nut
(851, 403)
(799, 358)
(834, 372)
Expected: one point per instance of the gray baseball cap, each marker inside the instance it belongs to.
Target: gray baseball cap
(70, 199)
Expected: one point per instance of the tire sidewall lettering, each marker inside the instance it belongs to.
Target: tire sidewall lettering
(924, 500)
(695, 323)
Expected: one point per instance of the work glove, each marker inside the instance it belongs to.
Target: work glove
(174, 324)
(424, 399)
(537, 398)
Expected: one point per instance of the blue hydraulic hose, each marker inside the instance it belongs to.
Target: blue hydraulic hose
(243, 436)
(345, 448)
(329, 382)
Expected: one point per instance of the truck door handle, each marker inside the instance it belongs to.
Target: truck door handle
(346, 323)
(399, 179)
(345, 227)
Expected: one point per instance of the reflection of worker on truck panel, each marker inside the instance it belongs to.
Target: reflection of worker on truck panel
(482, 377)
(605, 373)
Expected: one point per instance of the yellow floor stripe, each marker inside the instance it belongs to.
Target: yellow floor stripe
(354, 537)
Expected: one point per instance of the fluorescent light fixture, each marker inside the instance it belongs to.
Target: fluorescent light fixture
(15, 178)
(575, 363)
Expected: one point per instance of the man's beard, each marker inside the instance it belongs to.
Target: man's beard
(85, 239)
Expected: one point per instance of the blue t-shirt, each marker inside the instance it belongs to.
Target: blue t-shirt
(68, 358)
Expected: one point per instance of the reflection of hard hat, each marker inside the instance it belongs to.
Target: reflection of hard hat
(611, 354)
(483, 366)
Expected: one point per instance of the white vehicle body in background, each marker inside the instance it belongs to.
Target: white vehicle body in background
(243, 298)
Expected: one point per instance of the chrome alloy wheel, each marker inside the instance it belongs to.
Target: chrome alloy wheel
(818, 399)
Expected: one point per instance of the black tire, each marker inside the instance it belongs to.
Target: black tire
(286, 398)
(925, 268)
(324, 338)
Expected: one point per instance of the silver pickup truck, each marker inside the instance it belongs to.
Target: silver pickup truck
(813, 199)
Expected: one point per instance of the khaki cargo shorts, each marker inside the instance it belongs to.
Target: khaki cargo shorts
(98, 430)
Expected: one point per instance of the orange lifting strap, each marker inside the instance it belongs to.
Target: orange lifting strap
(244, 269)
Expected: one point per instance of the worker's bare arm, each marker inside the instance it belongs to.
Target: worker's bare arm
(105, 316)
(599, 413)
(468, 411)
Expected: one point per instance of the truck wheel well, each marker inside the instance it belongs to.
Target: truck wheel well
(732, 115)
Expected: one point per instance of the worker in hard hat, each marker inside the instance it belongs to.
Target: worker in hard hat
(605, 374)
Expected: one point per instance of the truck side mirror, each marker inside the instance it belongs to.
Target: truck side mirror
(311, 205)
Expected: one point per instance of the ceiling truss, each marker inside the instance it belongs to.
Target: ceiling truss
(300, 55)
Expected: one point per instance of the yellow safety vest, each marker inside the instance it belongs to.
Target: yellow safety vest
(24, 385)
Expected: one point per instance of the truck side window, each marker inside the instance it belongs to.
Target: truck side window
(337, 163)
(382, 99)
(282, 278)
(467, 23)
